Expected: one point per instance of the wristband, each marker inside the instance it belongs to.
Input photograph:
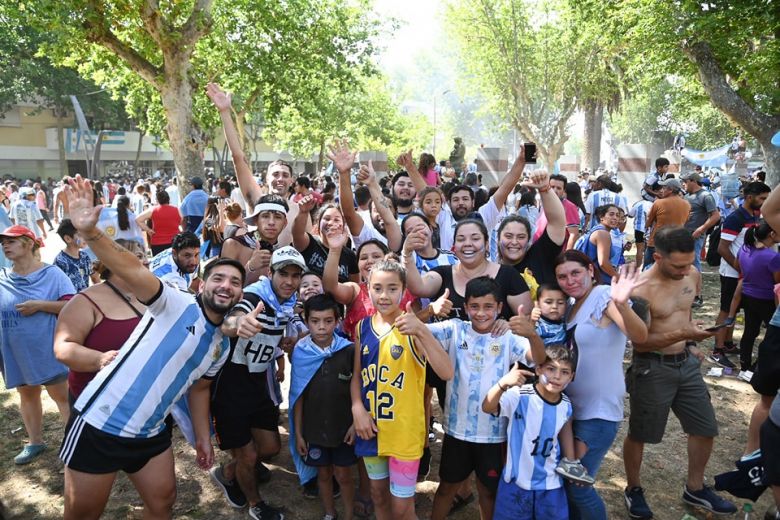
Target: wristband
(545, 190)
(501, 387)
(94, 237)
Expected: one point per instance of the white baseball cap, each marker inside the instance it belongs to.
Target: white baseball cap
(285, 256)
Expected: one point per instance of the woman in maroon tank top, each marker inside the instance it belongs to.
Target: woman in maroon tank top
(95, 324)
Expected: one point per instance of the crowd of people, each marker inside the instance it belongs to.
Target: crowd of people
(380, 293)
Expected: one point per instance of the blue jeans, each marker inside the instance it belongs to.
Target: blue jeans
(697, 246)
(648, 259)
(584, 501)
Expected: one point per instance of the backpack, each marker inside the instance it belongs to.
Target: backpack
(713, 258)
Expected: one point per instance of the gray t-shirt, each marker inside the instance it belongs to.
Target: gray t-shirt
(702, 204)
(774, 411)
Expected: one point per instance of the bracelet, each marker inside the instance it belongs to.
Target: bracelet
(94, 237)
(249, 268)
(545, 190)
(501, 387)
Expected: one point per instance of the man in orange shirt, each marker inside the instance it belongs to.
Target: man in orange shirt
(669, 209)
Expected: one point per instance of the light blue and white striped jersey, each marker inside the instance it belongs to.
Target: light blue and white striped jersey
(602, 197)
(491, 217)
(108, 223)
(442, 258)
(164, 267)
(639, 212)
(532, 449)
(173, 346)
(480, 360)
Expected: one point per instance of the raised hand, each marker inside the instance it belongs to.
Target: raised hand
(343, 159)
(367, 175)
(405, 160)
(248, 325)
(515, 377)
(306, 204)
(414, 241)
(219, 97)
(442, 306)
(260, 259)
(538, 179)
(337, 238)
(83, 213)
(625, 282)
(522, 324)
(408, 323)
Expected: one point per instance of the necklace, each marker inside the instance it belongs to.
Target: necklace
(469, 275)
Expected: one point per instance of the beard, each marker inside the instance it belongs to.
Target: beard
(379, 224)
(402, 203)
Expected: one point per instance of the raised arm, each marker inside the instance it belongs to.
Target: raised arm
(300, 235)
(510, 180)
(246, 182)
(344, 293)
(343, 159)
(619, 309)
(367, 176)
(771, 209)
(119, 260)
(551, 204)
(422, 286)
(406, 161)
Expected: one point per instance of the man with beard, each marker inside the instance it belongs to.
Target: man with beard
(254, 250)
(665, 374)
(279, 176)
(245, 403)
(460, 201)
(176, 265)
(403, 193)
(732, 236)
(119, 421)
(382, 226)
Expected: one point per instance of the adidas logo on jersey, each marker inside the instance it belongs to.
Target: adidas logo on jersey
(365, 350)
(191, 329)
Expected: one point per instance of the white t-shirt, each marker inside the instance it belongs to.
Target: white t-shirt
(26, 213)
(491, 216)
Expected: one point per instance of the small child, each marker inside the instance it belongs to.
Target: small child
(72, 260)
(549, 314)
(529, 487)
(431, 200)
(392, 350)
(322, 365)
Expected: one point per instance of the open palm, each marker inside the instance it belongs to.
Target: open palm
(625, 282)
(83, 213)
(219, 97)
(343, 159)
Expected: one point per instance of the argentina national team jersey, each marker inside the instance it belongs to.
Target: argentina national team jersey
(173, 346)
(442, 258)
(602, 197)
(479, 361)
(533, 450)
(392, 387)
(164, 267)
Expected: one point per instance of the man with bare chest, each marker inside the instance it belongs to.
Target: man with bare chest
(665, 375)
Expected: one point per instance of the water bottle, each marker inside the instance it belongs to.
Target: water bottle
(748, 510)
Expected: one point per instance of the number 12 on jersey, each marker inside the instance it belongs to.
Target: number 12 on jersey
(383, 403)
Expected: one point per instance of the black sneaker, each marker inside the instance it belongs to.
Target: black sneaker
(262, 511)
(707, 499)
(720, 358)
(636, 503)
(425, 465)
(310, 489)
(230, 489)
(697, 302)
(262, 473)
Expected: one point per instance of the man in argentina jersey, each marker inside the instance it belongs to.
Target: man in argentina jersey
(176, 266)
(474, 440)
(118, 422)
(245, 404)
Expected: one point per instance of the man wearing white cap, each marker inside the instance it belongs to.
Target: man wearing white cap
(25, 212)
(254, 250)
(246, 398)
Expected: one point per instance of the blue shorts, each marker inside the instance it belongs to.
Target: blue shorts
(514, 503)
(342, 456)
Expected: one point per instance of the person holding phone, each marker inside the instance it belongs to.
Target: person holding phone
(665, 374)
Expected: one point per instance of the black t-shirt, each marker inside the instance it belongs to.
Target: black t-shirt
(510, 283)
(327, 404)
(540, 259)
(316, 254)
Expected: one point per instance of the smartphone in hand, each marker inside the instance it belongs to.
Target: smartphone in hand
(529, 151)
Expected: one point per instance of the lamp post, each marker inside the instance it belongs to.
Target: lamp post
(434, 118)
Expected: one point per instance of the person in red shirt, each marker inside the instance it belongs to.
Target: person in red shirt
(166, 221)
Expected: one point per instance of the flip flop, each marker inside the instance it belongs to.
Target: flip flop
(363, 507)
(460, 502)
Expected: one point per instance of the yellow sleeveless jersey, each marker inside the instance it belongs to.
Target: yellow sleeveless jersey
(392, 388)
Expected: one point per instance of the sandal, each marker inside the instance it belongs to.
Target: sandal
(363, 507)
(460, 502)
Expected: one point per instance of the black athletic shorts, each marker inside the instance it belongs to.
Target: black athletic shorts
(234, 424)
(459, 458)
(89, 450)
(639, 236)
(766, 379)
(342, 456)
(728, 286)
(770, 452)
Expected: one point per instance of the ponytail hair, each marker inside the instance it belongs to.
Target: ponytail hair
(757, 234)
(122, 209)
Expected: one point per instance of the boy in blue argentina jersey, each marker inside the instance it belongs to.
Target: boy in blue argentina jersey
(474, 441)
(530, 488)
(119, 421)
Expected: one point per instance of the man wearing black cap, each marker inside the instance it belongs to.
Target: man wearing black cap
(193, 207)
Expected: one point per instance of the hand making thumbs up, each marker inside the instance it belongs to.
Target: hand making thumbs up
(442, 306)
(522, 324)
(248, 325)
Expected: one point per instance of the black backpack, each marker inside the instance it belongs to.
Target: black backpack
(713, 258)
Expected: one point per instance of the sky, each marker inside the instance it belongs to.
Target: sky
(416, 17)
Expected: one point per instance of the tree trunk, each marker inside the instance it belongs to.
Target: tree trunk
(184, 136)
(591, 140)
(725, 98)
(61, 143)
(321, 156)
(138, 151)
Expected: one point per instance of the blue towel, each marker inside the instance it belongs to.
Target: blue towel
(306, 360)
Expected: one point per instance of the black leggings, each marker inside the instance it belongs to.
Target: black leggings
(757, 311)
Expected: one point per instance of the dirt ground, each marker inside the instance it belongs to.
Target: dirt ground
(35, 491)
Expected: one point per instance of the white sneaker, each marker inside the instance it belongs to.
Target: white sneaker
(745, 375)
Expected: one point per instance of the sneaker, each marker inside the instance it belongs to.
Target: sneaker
(262, 511)
(636, 503)
(425, 465)
(431, 431)
(230, 488)
(718, 357)
(574, 470)
(730, 347)
(29, 453)
(707, 499)
(311, 490)
(697, 302)
(745, 375)
(262, 473)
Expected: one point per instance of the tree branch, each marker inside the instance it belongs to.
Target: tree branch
(724, 97)
(150, 15)
(197, 24)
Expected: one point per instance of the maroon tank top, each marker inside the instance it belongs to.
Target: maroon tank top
(107, 335)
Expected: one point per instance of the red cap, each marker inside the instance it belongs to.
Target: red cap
(21, 231)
